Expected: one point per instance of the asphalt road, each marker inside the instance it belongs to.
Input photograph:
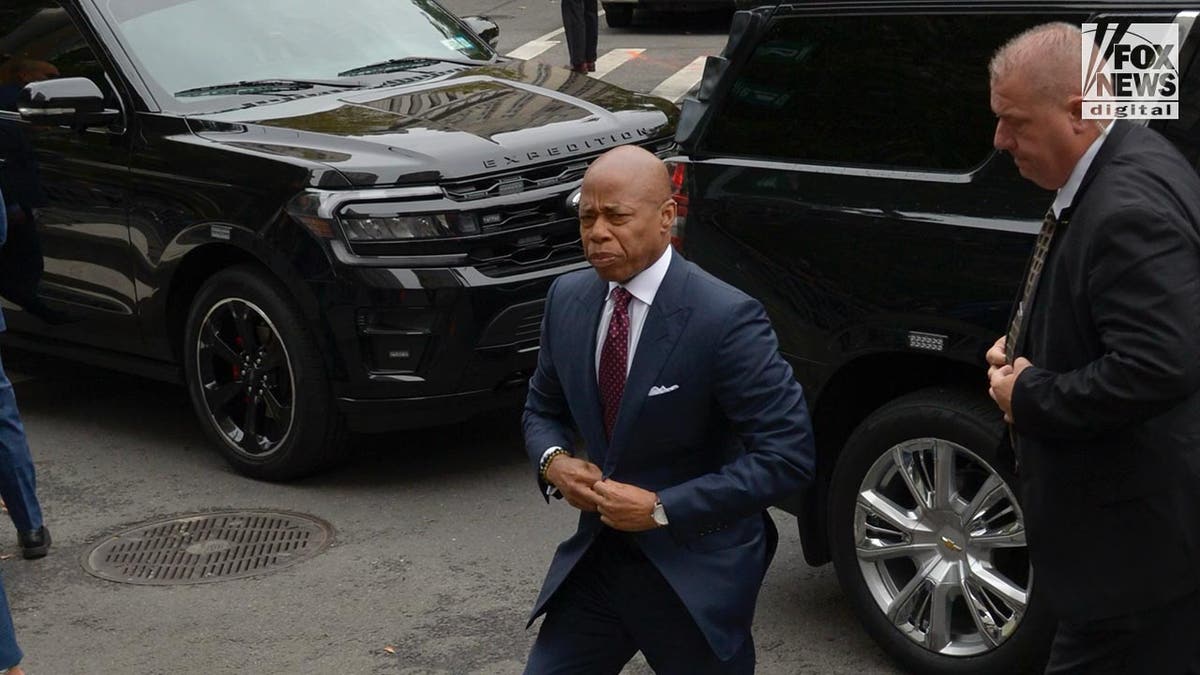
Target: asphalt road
(440, 546)
(440, 538)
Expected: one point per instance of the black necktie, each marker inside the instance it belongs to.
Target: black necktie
(1040, 251)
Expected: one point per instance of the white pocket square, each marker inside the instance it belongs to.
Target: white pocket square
(658, 391)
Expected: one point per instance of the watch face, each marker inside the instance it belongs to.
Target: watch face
(659, 515)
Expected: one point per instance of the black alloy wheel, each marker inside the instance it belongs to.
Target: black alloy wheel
(256, 380)
(928, 538)
(246, 378)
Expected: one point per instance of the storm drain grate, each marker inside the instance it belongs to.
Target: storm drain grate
(209, 547)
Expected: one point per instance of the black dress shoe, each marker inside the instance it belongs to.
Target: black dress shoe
(34, 544)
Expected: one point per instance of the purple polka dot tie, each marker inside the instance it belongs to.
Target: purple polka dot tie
(613, 358)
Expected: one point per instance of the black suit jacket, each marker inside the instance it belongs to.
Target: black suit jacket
(1108, 420)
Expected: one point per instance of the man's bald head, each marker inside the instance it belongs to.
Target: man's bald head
(639, 169)
(625, 212)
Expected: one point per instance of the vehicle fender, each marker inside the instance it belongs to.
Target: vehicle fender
(226, 243)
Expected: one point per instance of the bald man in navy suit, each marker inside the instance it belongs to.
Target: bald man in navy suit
(692, 423)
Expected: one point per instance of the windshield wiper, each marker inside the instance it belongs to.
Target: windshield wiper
(261, 86)
(406, 62)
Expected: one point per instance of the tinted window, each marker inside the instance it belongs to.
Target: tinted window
(38, 41)
(898, 91)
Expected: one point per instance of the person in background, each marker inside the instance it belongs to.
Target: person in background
(21, 260)
(18, 480)
(17, 72)
(581, 23)
(10, 652)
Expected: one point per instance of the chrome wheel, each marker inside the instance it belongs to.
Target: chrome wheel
(245, 377)
(940, 543)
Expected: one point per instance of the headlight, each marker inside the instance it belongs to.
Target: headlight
(382, 228)
(324, 213)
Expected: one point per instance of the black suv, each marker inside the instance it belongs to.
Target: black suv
(838, 165)
(322, 216)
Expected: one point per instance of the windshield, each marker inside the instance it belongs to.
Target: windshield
(187, 44)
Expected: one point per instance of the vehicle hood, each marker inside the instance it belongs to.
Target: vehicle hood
(474, 121)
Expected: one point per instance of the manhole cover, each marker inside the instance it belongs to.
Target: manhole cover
(209, 547)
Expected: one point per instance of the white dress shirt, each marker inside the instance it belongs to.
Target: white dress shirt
(643, 288)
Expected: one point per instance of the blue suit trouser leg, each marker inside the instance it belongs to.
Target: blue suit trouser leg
(18, 481)
(615, 603)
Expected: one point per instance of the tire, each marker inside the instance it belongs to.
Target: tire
(256, 379)
(938, 558)
(618, 15)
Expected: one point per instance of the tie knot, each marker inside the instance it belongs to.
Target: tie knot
(621, 298)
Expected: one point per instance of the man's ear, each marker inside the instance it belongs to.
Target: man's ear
(1075, 110)
(667, 213)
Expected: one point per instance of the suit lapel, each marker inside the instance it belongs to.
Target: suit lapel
(664, 324)
(585, 321)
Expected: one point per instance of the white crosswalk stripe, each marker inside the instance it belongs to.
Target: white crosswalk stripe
(532, 49)
(674, 87)
(613, 60)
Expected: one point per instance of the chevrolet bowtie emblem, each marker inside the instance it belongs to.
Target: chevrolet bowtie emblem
(949, 543)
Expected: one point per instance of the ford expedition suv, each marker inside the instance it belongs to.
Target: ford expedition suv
(320, 217)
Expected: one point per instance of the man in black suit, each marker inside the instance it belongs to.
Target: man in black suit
(1102, 381)
(581, 24)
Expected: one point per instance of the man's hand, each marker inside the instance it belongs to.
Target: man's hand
(575, 477)
(1001, 380)
(996, 358)
(625, 507)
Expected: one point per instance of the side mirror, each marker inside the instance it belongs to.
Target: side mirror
(484, 28)
(70, 101)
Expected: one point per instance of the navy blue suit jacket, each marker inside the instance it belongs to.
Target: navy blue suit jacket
(732, 437)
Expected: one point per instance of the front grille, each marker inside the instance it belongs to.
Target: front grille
(532, 252)
(516, 216)
(531, 179)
